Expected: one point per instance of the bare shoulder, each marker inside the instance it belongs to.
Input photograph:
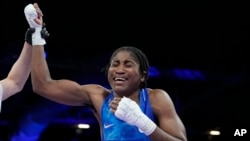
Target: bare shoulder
(158, 94)
(160, 100)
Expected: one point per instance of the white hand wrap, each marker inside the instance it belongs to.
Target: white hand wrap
(37, 38)
(130, 112)
(31, 15)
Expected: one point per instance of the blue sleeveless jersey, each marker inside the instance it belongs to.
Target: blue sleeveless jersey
(114, 129)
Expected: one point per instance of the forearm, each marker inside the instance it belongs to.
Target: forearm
(39, 69)
(19, 73)
(21, 68)
(160, 135)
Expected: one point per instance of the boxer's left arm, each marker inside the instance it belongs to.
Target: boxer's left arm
(170, 126)
(128, 110)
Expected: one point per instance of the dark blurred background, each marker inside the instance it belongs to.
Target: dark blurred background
(198, 51)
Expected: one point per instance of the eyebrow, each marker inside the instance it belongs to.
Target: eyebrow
(126, 61)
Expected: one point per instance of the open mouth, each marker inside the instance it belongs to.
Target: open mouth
(119, 79)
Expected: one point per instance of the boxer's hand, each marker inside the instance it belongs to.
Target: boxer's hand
(128, 110)
(44, 33)
(28, 35)
(32, 16)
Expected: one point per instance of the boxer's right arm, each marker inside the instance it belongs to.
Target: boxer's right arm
(62, 91)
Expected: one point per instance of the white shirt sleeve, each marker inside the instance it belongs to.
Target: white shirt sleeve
(1, 95)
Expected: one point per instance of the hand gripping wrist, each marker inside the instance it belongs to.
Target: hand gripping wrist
(131, 113)
(30, 14)
(37, 38)
(28, 35)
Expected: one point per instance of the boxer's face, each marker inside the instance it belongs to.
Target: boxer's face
(123, 73)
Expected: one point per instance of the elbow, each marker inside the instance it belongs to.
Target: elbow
(184, 139)
(38, 88)
(18, 87)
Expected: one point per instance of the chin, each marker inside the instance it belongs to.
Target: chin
(119, 89)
